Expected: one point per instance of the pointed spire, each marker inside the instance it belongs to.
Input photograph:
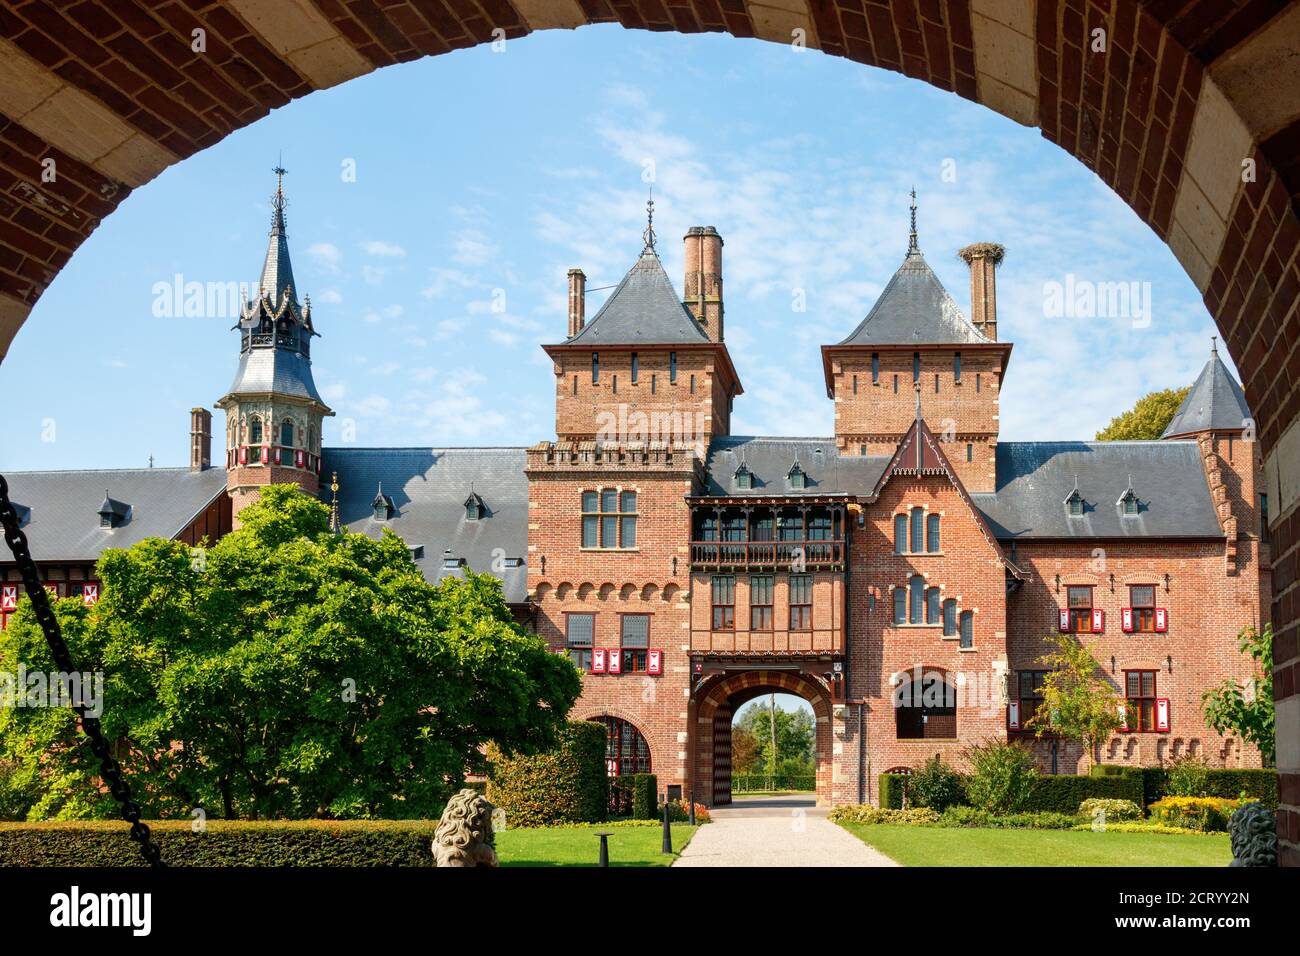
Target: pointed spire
(277, 271)
(912, 247)
(649, 234)
(1214, 346)
(335, 526)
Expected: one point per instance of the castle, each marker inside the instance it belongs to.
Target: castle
(900, 574)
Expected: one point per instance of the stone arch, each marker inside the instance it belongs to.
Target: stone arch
(585, 589)
(605, 591)
(670, 592)
(626, 591)
(649, 592)
(722, 696)
(1191, 118)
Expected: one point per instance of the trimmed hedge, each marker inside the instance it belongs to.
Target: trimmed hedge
(223, 843)
(567, 784)
(1062, 793)
(1259, 784)
(892, 788)
(640, 794)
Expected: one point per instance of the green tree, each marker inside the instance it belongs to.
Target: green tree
(1078, 701)
(795, 738)
(291, 673)
(744, 751)
(1148, 419)
(1247, 711)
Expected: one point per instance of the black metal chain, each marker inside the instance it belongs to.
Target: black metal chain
(109, 770)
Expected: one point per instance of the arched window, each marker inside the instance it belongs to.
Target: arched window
(255, 431)
(932, 533)
(286, 442)
(967, 629)
(900, 606)
(917, 587)
(900, 534)
(932, 606)
(918, 530)
(626, 751)
(925, 705)
(949, 617)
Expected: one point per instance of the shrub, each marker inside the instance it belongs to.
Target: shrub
(935, 786)
(679, 811)
(1145, 826)
(866, 813)
(223, 843)
(1188, 777)
(1252, 784)
(1063, 793)
(893, 788)
(1003, 776)
(1109, 810)
(567, 784)
(1194, 813)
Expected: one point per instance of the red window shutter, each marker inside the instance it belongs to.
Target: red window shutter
(598, 661)
(9, 597)
(90, 593)
(1013, 715)
(1162, 713)
(1065, 620)
(615, 662)
(1126, 619)
(654, 662)
(299, 459)
(1098, 620)
(612, 767)
(243, 455)
(1162, 620)
(1123, 715)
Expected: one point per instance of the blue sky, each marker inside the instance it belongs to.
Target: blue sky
(482, 176)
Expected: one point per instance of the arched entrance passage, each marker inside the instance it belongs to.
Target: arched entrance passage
(720, 699)
(1190, 112)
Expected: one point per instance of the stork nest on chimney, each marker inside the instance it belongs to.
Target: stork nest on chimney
(993, 251)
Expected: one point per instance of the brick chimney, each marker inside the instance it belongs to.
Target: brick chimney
(577, 301)
(704, 278)
(983, 259)
(200, 439)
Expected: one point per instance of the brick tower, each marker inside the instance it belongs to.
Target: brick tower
(273, 411)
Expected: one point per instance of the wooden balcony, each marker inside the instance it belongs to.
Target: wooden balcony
(821, 640)
(773, 555)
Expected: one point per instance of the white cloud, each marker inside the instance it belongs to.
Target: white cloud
(472, 248)
(330, 297)
(383, 250)
(325, 256)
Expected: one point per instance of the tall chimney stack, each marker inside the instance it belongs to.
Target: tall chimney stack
(577, 301)
(983, 259)
(704, 278)
(200, 439)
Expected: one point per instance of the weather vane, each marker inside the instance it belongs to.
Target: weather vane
(911, 239)
(649, 234)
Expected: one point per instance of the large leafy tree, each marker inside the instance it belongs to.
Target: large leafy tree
(1146, 420)
(285, 672)
(1078, 701)
(795, 738)
(1247, 711)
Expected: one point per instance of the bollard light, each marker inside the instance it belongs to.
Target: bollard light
(604, 847)
(692, 810)
(668, 831)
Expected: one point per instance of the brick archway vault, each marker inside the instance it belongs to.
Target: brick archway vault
(1185, 96)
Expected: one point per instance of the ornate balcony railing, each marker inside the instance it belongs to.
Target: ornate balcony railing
(774, 554)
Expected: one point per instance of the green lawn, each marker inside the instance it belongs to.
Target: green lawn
(951, 846)
(579, 846)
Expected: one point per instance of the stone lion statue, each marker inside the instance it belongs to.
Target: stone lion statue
(464, 834)
(1254, 836)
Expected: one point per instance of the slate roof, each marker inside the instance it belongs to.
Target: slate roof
(769, 461)
(64, 521)
(278, 370)
(1216, 402)
(915, 308)
(428, 488)
(277, 269)
(1036, 478)
(643, 308)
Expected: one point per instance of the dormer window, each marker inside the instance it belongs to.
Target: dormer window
(1129, 503)
(382, 506)
(798, 480)
(450, 562)
(1075, 503)
(113, 513)
(474, 508)
(744, 478)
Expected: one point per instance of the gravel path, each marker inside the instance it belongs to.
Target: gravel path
(776, 831)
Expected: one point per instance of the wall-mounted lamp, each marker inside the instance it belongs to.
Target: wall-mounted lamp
(1166, 580)
(543, 563)
(674, 566)
(1169, 663)
(1112, 581)
(1112, 663)
(1058, 584)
